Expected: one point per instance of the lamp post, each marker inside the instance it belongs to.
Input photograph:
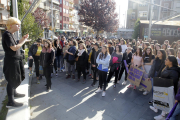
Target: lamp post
(15, 14)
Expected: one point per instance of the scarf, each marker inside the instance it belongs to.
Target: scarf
(80, 52)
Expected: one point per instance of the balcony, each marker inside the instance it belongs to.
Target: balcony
(71, 9)
(1, 6)
(8, 8)
(2, 22)
(46, 7)
(71, 2)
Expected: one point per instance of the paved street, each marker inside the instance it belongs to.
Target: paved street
(69, 100)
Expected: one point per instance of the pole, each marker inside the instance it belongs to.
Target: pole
(150, 20)
(15, 14)
(52, 16)
(159, 14)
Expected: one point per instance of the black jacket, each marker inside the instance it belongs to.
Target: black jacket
(129, 57)
(172, 73)
(33, 49)
(152, 70)
(47, 59)
(94, 56)
(82, 60)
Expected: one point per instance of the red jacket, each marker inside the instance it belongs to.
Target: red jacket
(62, 43)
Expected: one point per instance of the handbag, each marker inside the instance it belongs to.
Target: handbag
(76, 59)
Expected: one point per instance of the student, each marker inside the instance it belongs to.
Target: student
(157, 66)
(148, 58)
(123, 46)
(133, 42)
(103, 64)
(171, 51)
(70, 53)
(172, 71)
(128, 61)
(60, 59)
(178, 58)
(137, 61)
(164, 46)
(82, 61)
(47, 60)
(111, 49)
(34, 54)
(94, 54)
(115, 65)
(64, 54)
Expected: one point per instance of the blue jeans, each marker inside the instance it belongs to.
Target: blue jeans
(59, 61)
(176, 114)
(155, 75)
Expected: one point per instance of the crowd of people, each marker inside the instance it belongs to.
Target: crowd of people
(100, 59)
(97, 58)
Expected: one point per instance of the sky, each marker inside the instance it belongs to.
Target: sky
(123, 5)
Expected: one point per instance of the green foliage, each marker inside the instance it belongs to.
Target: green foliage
(28, 26)
(26, 53)
(136, 29)
(11, 9)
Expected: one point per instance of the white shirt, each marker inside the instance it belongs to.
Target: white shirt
(124, 47)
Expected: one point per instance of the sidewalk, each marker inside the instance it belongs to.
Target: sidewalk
(69, 100)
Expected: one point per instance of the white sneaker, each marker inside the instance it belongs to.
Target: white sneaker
(124, 83)
(99, 90)
(141, 89)
(154, 109)
(118, 82)
(103, 94)
(159, 117)
(145, 93)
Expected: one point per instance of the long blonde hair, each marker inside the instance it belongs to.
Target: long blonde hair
(84, 46)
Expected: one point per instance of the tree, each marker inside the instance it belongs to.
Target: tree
(29, 25)
(41, 18)
(136, 29)
(99, 14)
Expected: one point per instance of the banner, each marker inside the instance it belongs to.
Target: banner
(163, 94)
(135, 75)
(146, 83)
(125, 64)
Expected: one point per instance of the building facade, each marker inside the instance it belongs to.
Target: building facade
(4, 15)
(142, 11)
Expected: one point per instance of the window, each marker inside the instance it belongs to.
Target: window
(142, 13)
(67, 3)
(60, 18)
(166, 5)
(178, 5)
(0, 16)
(133, 15)
(60, 25)
(64, 10)
(64, 26)
(67, 19)
(60, 1)
(64, 18)
(60, 9)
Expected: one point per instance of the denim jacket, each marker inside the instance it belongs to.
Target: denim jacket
(104, 62)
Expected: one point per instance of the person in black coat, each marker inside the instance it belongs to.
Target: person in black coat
(34, 54)
(82, 61)
(157, 66)
(13, 68)
(94, 55)
(47, 60)
(171, 71)
(126, 56)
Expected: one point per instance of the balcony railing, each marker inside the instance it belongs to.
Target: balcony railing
(1, 6)
(2, 21)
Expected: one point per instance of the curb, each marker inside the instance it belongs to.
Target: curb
(22, 113)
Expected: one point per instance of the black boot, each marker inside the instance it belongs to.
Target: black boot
(18, 94)
(12, 103)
